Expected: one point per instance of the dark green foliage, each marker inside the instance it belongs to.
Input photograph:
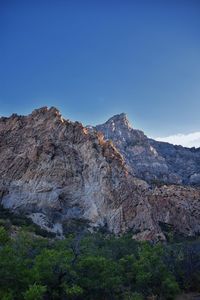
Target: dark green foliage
(35, 292)
(4, 237)
(99, 277)
(183, 260)
(152, 276)
(93, 266)
(74, 226)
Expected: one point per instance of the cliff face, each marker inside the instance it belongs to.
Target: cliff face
(151, 160)
(54, 170)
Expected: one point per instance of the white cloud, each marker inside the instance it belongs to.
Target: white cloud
(186, 140)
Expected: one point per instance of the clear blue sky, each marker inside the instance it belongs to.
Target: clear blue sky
(93, 59)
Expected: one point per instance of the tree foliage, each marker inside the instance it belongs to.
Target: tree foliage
(95, 266)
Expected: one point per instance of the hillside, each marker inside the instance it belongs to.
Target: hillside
(58, 172)
(152, 160)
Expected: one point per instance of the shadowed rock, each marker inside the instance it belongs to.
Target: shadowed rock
(153, 161)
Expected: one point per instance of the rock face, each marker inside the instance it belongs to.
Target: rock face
(153, 161)
(54, 170)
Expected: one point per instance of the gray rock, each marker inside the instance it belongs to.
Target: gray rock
(153, 161)
(55, 170)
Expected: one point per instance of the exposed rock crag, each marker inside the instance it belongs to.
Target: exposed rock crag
(54, 170)
(151, 160)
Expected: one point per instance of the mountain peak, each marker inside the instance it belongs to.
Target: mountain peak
(45, 110)
(117, 127)
(119, 120)
(56, 174)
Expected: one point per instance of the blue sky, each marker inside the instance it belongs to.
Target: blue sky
(94, 59)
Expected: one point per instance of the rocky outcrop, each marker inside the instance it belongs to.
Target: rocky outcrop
(153, 161)
(54, 170)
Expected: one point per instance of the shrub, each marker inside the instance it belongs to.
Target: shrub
(35, 292)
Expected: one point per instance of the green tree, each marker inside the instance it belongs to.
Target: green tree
(127, 265)
(133, 296)
(169, 288)
(53, 268)
(35, 292)
(4, 237)
(152, 276)
(6, 295)
(99, 277)
(14, 272)
(72, 291)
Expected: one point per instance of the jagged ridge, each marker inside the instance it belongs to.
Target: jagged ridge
(55, 170)
(149, 159)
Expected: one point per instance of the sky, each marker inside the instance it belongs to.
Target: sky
(94, 59)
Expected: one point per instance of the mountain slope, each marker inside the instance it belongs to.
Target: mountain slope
(54, 171)
(149, 159)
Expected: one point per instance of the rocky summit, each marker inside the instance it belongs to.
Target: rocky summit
(55, 171)
(153, 161)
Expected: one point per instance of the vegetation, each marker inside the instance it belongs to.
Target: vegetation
(93, 267)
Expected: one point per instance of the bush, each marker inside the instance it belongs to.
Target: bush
(170, 288)
(35, 292)
(94, 266)
(4, 237)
